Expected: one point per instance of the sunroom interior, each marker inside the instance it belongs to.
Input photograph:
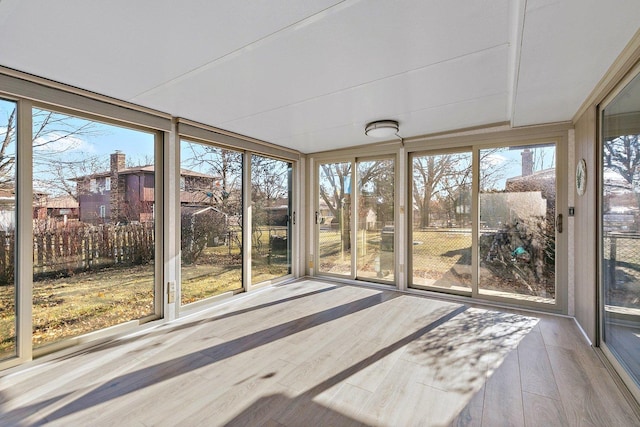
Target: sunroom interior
(320, 213)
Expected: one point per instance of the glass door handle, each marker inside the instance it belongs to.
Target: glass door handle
(559, 223)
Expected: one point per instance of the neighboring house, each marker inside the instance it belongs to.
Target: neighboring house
(59, 208)
(124, 195)
(7, 209)
(325, 216)
(276, 216)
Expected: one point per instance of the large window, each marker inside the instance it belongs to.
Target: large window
(517, 229)
(8, 126)
(441, 230)
(93, 226)
(271, 218)
(211, 220)
(620, 228)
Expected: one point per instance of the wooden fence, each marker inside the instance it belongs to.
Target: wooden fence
(81, 247)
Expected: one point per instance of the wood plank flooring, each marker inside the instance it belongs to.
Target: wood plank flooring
(313, 353)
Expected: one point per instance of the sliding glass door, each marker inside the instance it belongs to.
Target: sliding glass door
(484, 222)
(620, 230)
(271, 218)
(210, 221)
(441, 233)
(375, 220)
(356, 219)
(333, 218)
(517, 228)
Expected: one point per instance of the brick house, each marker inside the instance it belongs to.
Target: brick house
(126, 194)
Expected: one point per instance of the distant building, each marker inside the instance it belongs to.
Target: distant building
(123, 194)
(59, 208)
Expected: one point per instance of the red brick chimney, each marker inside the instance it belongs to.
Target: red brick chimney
(527, 162)
(116, 195)
(117, 161)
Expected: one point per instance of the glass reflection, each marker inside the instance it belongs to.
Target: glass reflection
(517, 203)
(211, 221)
(620, 244)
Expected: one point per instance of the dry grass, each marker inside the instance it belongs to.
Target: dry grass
(437, 252)
(70, 306)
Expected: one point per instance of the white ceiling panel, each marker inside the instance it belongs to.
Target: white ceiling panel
(309, 74)
(122, 47)
(477, 112)
(567, 47)
(446, 83)
(355, 45)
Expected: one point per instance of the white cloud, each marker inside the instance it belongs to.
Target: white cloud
(3, 130)
(57, 142)
(493, 160)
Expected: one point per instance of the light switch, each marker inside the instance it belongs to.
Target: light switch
(171, 292)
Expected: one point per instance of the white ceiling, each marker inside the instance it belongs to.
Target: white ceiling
(309, 74)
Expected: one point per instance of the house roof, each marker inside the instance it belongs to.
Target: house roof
(541, 175)
(60, 202)
(197, 210)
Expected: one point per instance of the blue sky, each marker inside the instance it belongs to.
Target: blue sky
(59, 148)
(102, 140)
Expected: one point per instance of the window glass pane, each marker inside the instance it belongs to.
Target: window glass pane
(8, 118)
(93, 247)
(517, 222)
(211, 220)
(270, 218)
(441, 232)
(376, 226)
(620, 244)
(334, 219)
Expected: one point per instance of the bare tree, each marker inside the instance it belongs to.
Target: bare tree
(336, 189)
(225, 165)
(270, 187)
(7, 153)
(622, 154)
(61, 174)
(54, 135)
(269, 179)
(430, 176)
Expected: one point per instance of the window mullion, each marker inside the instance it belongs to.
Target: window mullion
(24, 232)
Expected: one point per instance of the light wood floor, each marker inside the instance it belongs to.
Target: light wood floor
(313, 353)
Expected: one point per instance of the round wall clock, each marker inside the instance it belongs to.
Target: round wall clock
(581, 177)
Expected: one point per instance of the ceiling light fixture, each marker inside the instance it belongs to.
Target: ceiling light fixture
(382, 128)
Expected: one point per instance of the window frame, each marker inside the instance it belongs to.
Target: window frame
(29, 96)
(617, 365)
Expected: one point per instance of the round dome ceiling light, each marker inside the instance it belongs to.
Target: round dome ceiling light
(382, 128)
